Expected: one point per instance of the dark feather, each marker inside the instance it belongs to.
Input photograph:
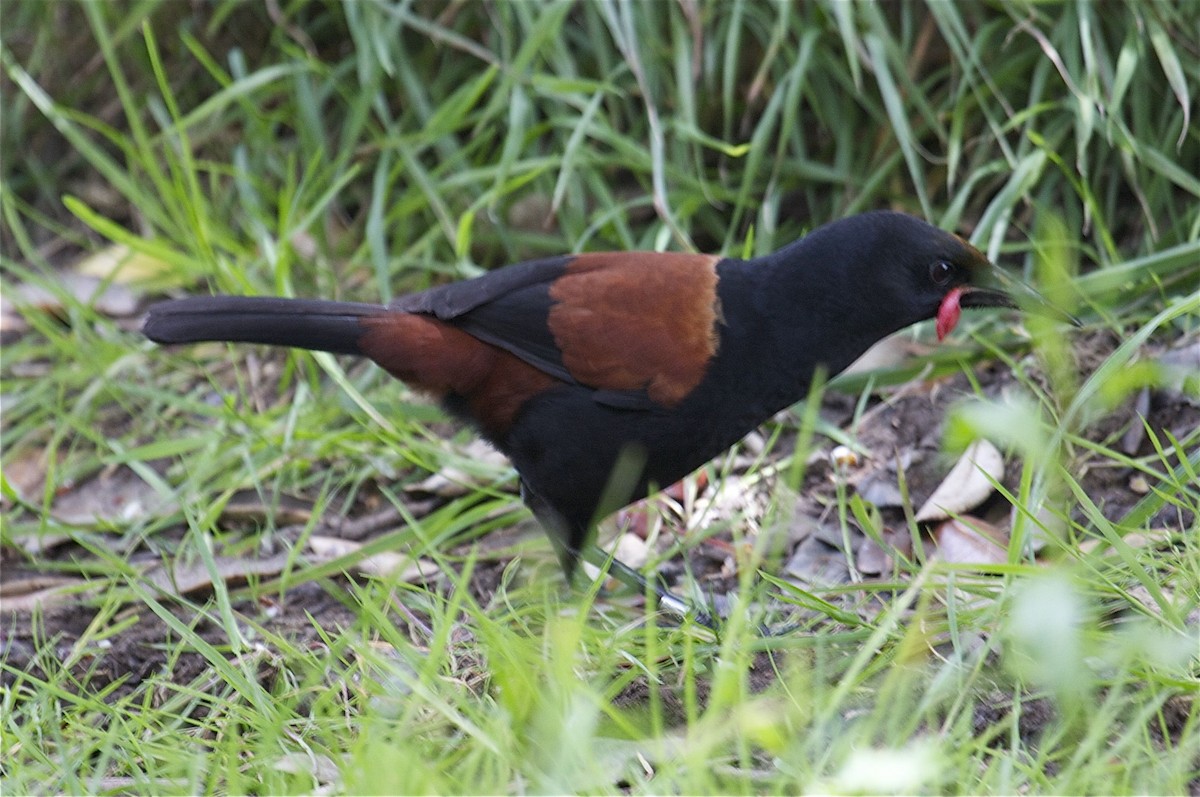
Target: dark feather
(312, 324)
(448, 302)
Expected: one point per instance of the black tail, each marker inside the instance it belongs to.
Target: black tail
(301, 323)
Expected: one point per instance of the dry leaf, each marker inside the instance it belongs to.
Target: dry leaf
(25, 473)
(1153, 537)
(738, 498)
(111, 299)
(184, 579)
(968, 484)
(1131, 441)
(322, 769)
(1181, 371)
(115, 495)
(119, 263)
(37, 544)
(880, 489)
(385, 564)
(630, 550)
(453, 481)
(38, 591)
(871, 559)
(286, 510)
(969, 540)
(817, 562)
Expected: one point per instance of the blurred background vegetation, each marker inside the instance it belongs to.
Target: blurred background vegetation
(400, 139)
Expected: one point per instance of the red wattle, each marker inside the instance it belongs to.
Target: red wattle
(948, 313)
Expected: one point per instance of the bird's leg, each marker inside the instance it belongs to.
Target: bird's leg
(562, 531)
(635, 580)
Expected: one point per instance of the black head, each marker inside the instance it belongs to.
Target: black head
(929, 272)
(899, 270)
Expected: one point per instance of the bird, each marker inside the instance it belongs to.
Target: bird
(606, 375)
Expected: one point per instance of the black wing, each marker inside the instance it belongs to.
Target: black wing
(508, 308)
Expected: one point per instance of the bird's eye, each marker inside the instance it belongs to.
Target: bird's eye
(941, 272)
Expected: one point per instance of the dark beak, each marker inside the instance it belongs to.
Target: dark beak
(998, 289)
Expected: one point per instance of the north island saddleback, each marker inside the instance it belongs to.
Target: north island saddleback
(638, 365)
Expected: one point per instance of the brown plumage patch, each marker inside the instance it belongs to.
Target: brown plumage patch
(439, 359)
(632, 321)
